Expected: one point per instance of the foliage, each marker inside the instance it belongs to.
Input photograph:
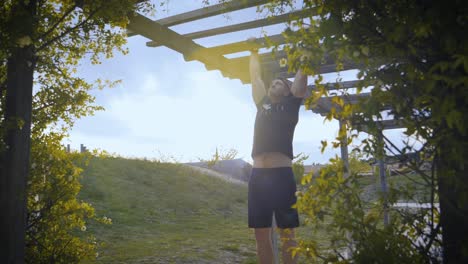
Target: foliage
(353, 225)
(298, 166)
(55, 216)
(64, 34)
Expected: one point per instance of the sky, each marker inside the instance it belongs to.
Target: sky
(173, 110)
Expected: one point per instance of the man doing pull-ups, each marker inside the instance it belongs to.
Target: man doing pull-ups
(272, 186)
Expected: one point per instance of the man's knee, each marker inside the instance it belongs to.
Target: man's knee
(263, 234)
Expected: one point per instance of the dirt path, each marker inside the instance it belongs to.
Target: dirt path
(213, 173)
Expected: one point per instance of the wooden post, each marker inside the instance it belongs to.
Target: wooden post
(14, 158)
(383, 176)
(344, 150)
(346, 172)
(274, 241)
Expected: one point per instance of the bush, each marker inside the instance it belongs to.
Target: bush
(56, 220)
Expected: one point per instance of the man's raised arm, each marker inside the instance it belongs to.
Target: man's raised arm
(299, 86)
(258, 87)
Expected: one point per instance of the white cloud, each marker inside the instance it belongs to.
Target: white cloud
(192, 124)
(206, 111)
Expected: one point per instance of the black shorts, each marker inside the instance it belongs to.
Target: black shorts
(272, 190)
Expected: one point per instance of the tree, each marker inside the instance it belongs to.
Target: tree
(56, 229)
(42, 43)
(415, 55)
(219, 155)
(298, 166)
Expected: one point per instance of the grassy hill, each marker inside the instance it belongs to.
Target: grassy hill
(169, 213)
(166, 213)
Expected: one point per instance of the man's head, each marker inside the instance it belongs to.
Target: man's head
(279, 87)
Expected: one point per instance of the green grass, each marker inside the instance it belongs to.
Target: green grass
(166, 213)
(420, 189)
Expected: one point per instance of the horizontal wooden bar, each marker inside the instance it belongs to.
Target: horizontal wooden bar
(328, 67)
(154, 31)
(249, 25)
(270, 63)
(205, 12)
(382, 125)
(246, 45)
(325, 104)
(265, 58)
(209, 11)
(246, 25)
(336, 86)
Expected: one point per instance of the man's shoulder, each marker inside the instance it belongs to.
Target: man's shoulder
(265, 100)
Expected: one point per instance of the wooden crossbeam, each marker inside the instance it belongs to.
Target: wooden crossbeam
(270, 63)
(335, 86)
(209, 11)
(246, 25)
(236, 68)
(154, 31)
(382, 125)
(328, 67)
(390, 124)
(205, 12)
(245, 46)
(324, 105)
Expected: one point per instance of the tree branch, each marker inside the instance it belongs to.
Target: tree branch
(413, 166)
(36, 240)
(69, 30)
(68, 12)
(432, 237)
(433, 189)
(44, 106)
(42, 212)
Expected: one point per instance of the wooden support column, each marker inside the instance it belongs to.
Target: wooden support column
(344, 149)
(346, 173)
(383, 176)
(14, 158)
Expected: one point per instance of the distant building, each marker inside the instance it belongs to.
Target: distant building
(83, 148)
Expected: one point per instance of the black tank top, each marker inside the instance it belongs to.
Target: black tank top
(275, 124)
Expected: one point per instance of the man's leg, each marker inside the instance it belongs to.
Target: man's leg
(264, 247)
(288, 241)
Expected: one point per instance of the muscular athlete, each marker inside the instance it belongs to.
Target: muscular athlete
(272, 186)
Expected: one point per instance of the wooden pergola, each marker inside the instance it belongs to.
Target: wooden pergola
(159, 33)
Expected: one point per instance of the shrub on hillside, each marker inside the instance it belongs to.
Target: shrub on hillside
(56, 220)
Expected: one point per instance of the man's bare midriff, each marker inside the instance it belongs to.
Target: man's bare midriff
(271, 160)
